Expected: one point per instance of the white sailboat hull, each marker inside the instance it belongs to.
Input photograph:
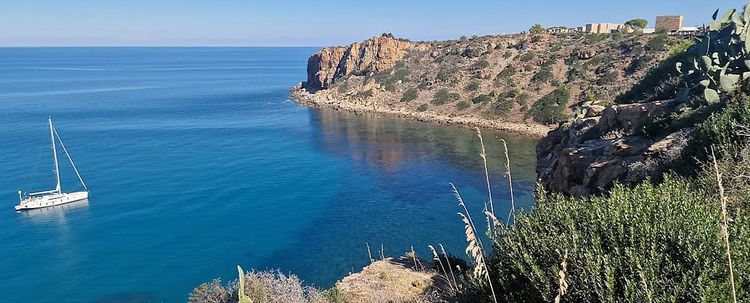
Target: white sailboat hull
(50, 200)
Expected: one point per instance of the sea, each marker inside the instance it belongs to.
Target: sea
(197, 160)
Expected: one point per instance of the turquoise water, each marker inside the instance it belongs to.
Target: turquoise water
(197, 161)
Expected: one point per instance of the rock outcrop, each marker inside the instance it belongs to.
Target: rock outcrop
(372, 55)
(590, 155)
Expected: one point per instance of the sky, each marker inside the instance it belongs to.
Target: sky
(310, 22)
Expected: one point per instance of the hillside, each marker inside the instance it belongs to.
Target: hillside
(522, 82)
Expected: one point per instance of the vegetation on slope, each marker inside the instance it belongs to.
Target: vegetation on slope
(591, 67)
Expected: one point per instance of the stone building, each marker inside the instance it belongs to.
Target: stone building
(669, 23)
(602, 28)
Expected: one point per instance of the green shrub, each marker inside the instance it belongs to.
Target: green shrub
(590, 39)
(444, 96)
(463, 105)
(658, 42)
(660, 82)
(651, 243)
(507, 73)
(473, 86)
(363, 95)
(401, 75)
(721, 129)
(522, 99)
(551, 108)
(482, 64)
(342, 87)
(410, 95)
(472, 52)
(422, 107)
(508, 54)
(481, 99)
(537, 29)
(544, 75)
(528, 56)
(608, 78)
(503, 106)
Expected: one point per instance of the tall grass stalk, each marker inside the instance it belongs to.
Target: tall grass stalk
(725, 224)
(563, 284)
(369, 253)
(474, 247)
(448, 260)
(437, 259)
(512, 214)
(486, 170)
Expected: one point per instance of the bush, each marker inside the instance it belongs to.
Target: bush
(590, 39)
(544, 75)
(266, 286)
(522, 99)
(473, 86)
(363, 95)
(719, 130)
(608, 78)
(463, 105)
(342, 88)
(482, 64)
(507, 54)
(507, 72)
(660, 82)
(528, 56)
(472, 52)
(410, 95)
(401, 75)
(503, 106)
(481, 99)
(658, 43)
(422, 107)
(551, 108)
(537, 29)
(444, 96)
(651, 243)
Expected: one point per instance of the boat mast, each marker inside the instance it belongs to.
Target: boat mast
(70, 159)
(54, 152)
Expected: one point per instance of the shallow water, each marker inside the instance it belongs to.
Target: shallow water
(197, 161)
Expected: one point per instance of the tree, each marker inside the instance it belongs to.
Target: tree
(637, 23)
(537, 29)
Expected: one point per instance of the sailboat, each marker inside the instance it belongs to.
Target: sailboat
(56, 196)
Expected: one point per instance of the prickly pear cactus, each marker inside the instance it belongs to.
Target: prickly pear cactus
(241, 287)
(720, 60)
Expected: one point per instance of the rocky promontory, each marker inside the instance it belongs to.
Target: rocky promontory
(522, 83)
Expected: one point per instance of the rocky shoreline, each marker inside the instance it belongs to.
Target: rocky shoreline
(321, 100)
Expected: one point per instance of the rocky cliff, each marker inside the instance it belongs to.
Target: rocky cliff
(524, 83)
(373, 55)
(589, 155)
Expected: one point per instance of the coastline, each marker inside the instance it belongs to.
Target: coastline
(318, 100)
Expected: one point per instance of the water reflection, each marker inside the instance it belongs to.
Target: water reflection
(389, 142)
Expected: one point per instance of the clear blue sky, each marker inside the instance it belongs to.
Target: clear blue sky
(310, 22)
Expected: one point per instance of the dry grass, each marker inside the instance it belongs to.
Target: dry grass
(725, 224)
(390, 281)
(474, 247)
(563, 284)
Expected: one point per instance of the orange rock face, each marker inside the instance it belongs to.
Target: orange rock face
(372, 55)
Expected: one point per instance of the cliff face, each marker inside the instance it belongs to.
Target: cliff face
(373, 55)
(590, 155)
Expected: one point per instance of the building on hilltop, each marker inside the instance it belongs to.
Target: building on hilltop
(603, 28)
(562, 30)
(669, 23)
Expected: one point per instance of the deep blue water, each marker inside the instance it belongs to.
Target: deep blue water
(197, 161)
